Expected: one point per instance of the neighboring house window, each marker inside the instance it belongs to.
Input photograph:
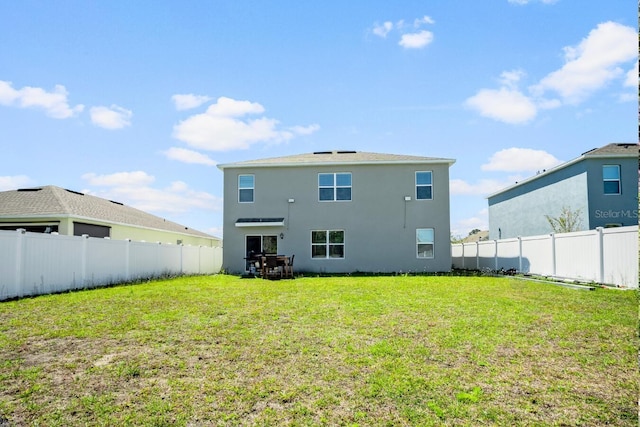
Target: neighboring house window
(246, 186)
(424, 186)
(611, 179)
(93, 230)
(334, 187)
(424, 242)
(327, 244)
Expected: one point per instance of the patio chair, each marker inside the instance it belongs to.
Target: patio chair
(271, 268)
(288, 266)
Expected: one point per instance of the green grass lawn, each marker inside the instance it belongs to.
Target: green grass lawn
(222, 350)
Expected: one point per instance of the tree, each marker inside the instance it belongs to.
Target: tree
(568, 221)
(456, 238)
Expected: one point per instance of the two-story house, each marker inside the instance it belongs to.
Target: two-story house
(339, 212)
(601, 186)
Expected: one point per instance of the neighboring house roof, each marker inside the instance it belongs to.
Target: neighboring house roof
(344, 157)
(477, 237)
(613, 150)
(52, 201)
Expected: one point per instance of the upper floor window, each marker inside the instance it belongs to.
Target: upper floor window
(327, 244)
(611, 179)
(424, 242)
(246, 187)
(334, 187)
(424, 186)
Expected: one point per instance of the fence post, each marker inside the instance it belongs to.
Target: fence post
(520, 254)
(553, 254)
(495, 255)
(83, 261)
(127, 262)
(462, 254)
(477, 255)
(600, 246)
(20, 262)
(181, 259)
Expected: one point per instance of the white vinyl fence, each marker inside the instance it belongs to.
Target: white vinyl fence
(36, 263)
(604, 255)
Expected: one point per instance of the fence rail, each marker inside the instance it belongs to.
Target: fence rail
(604, 255)
(36, 263)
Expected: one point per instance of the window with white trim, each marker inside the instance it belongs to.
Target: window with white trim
(334, 187)
(424, 242)
(246, 187)
(327, 244)
(611, 179)
(424, 185)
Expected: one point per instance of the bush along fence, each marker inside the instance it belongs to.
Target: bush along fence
(604, 255)
(36, 263)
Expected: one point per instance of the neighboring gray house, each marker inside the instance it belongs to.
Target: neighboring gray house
(339, 212)
(601, 184)
(52, 209)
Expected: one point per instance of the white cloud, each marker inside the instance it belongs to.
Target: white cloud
(590, 66)
(189, 101)
(176, 198)
(7, 93)
(631, 79)
(505, 105)
(54, 103)
(113, 117)
(511, 78)
(136, 178)
(520, 160)
(410, 37)
(188, 156)
(593, 63)
(482, 187)
(424, 20)
(305, 130)
(463, 227)
(383, 29)
(228, 107)
(223, 128)
(14, 182)
(416, 40)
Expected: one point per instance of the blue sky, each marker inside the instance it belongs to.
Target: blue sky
(138, 101)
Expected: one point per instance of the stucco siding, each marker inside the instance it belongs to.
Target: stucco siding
(379, 225)
(524, 214)
(578, 185)
(608, 209)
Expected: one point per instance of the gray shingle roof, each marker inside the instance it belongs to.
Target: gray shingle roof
(336, 157)
(51, 201)
(614, 149)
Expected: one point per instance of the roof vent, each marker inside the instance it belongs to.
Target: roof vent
(323, 152)
(586, 152)
(347, 152)
(29, 189)
(74, 192)
(116, 203)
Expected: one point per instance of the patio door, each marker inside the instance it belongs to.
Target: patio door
(257, 244)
